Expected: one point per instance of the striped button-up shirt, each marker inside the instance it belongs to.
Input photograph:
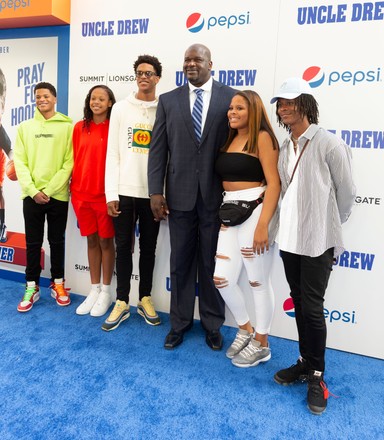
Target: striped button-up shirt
(320, 197)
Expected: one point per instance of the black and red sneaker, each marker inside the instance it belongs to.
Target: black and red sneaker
(295, 373)
(317, 392)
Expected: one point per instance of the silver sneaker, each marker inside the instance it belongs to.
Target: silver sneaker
(252, 355)
(241, 341)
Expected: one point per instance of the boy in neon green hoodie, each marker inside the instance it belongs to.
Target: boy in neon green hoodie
(44, 160)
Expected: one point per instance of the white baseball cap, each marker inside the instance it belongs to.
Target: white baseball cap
(292, 88)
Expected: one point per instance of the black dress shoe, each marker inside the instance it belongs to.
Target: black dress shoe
(214, 339)
(173, 339)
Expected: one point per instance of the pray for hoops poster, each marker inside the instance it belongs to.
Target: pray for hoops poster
(27, 57)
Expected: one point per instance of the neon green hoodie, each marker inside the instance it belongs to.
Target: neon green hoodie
(43, 155)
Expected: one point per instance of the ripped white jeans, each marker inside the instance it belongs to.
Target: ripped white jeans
(229, 262)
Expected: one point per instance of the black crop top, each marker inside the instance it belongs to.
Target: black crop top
(239, 167)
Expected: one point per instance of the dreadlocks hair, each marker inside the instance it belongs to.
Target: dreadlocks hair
(149, 59)
(88, 114)
(257, 121)
(307, 106)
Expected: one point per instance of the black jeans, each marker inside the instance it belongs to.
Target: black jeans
(132, 209)
(56, 212)
(308, 279)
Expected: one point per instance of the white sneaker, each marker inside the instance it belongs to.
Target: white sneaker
(102, 304)
(86, 306)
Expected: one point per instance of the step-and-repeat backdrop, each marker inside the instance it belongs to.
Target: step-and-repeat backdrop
(336, 46)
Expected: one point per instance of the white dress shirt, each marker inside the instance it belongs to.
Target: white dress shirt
(207, 87)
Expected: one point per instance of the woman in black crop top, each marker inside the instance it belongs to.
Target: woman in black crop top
(248, 169)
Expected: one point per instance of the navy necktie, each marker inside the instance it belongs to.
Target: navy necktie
(197, 112)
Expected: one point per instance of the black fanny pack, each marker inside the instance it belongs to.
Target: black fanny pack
(235, 212)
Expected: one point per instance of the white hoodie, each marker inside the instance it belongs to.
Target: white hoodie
(130, 132)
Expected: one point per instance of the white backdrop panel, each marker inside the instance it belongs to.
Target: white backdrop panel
(257, 45)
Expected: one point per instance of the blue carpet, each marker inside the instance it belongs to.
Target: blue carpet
(62, 378)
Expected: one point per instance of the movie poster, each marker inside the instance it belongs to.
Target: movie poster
(24, 62)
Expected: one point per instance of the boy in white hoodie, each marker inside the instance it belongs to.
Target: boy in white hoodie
(126, 190)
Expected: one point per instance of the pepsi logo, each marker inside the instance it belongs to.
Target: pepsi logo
(289, 307)
(314, 75)
(348, 317)
(195, 22)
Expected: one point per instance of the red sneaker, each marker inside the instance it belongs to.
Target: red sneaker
(31, 295)
(60, 293)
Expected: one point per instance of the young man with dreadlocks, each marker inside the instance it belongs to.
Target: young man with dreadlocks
(317, 197)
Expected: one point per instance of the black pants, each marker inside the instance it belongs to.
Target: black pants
(194, 237)
(56, 212)
(308, 279)
(132, 209)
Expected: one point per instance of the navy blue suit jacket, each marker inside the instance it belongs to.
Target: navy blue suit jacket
(176, 157)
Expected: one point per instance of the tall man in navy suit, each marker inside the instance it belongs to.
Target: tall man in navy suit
(185, 162)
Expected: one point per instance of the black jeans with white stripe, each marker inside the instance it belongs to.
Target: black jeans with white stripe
(308, 280)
